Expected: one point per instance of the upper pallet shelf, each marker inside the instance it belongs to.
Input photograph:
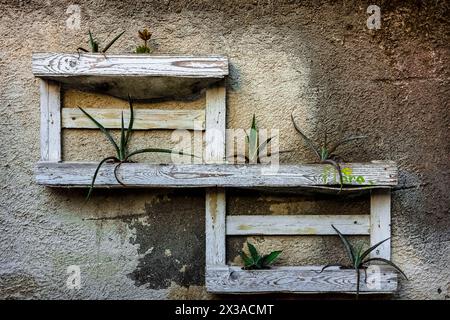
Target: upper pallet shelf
(143, 77)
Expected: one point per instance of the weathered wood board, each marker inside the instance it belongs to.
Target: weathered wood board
(144, 77)
(77, 174)
(230, 279)
(144, 119)
(380, 220)
(215, 205)
(50, 105)
(319, 224)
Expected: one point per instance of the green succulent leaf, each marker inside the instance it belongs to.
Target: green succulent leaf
(358, 277)
(156, 150)
(308, 141)
(253, 252)
(112, 41)
(92, 43)
(102, 129)
(131, 122)
(253, 141)
(389, 263)
(247, 260)
(368, 251)
(91, 188)
(348, 247)
(338, 169)
(262, 146)
(332, 265)
(271, 257)
(143, 49)
(344, 141)
(122, 139)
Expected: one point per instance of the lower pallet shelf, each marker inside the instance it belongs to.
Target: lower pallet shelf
(304, 279)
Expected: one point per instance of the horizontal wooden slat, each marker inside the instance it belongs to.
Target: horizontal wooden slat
(208, 175)
(143, 118)
(88, 64)
(142, 77)
(223, 279)
(297, 224)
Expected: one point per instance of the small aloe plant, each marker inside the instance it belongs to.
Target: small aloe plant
(257, 261)
(94, 46)
(255, 150)
(145, 35)
(325, 152)
(359, 259)
(123, 155)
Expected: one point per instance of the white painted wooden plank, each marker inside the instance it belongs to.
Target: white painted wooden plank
(144, 119)
(215, 209)
(297, 224)
(203, 175)
(50, 105)
(143, 77)
(69, 65)
(215, 124)
(44, 119)
(297, 280)
(380, 222)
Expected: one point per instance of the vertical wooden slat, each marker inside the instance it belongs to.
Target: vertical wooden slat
(380, 222)
(215, 197)
(50, 121)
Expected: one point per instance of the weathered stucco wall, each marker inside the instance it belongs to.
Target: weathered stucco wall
(313, 58)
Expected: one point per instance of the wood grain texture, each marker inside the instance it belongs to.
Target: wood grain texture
(76, 174)
(215, 208)
(144, 77)
(297, 224)
(296, 280)
(50, 105)
(380, 221)
(91, 64)
(215, 124)
(215, 226)
(144, 119)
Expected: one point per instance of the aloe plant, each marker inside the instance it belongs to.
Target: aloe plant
(94, 46)
(145, 35)
(257, 261)
(325, 152)
(123, 155)
(254, 149)
(360, 259)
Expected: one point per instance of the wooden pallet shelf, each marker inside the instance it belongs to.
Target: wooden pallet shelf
(144, 77)
(149, 77)
(76, 174)
(232, 279)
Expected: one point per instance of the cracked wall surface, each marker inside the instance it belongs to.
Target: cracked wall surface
(316, 59)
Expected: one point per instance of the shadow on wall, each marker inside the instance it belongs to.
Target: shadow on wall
(171, 241)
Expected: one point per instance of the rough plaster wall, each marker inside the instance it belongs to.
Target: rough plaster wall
(314, 58)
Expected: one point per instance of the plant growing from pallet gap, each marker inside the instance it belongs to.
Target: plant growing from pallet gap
(122, 153)
(325, 152)
(359, 259)
(256, 261)
(254, 149)
(145, 35)
(94, 46)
